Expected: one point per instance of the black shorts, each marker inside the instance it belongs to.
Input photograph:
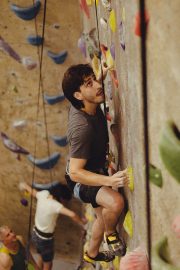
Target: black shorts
(84, 193)
(88, 194)
(45, 247)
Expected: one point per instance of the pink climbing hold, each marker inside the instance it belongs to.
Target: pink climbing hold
(176, 226)
(135, 260)
(137, 27)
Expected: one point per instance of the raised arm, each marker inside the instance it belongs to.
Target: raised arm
(26, 187)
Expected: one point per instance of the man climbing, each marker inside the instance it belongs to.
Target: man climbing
(12, 251)
(47, 211)
(86, 167)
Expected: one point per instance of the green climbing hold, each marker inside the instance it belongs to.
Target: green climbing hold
(169, 148)
(155, 176)
(160, 257)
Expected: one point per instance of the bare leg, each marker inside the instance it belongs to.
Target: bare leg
(47, 265)
(39, 262)
(113, 204)
(97, 233)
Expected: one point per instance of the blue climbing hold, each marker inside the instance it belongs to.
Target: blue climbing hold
(61, 141)
(54, 99)
(45, 163)
(35, 40)
(27, 13)
(58, 58)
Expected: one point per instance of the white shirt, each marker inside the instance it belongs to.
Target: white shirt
(47, 211)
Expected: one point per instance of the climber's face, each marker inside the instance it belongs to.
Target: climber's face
(91, 91)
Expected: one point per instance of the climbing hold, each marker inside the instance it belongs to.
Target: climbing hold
(122, 35)
(85, 8)
(108, 117)
(19, 123)
(45, 163)
(160, 256)
(112, 50)
(82, 45)
(58, 58)
(96, 66)
(135, 260)
(137, 27)
(12, 146)
(27, 13)
(131, 178)
(128, 224)
(103, 23)
(114, 78)
(96, 2)
(35, 40)
(4, 46)
(123, 14)
(112, 21)
(176, 226)
(109, 59)
(27, 194)
(30, 267)
(58, 190)
(61, 141)
(155, 176)
(169, 148)
(51, 100)
(89, 2)
(29, 63)
(106, 4)
(24, 202)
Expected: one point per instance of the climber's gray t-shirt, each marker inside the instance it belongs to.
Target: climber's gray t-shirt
(88, 137)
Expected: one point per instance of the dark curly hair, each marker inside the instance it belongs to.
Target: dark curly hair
(73, 79)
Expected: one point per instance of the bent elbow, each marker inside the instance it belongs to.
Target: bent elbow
(73, 176)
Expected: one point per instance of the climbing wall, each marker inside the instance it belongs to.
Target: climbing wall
(112, 33)
(23, 119)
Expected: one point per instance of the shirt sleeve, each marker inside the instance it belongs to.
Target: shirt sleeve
(57, 206)
(80, 144)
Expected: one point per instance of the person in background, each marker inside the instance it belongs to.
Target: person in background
(12, 251)
(46, 214)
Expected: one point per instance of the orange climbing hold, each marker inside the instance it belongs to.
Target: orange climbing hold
(137, 27)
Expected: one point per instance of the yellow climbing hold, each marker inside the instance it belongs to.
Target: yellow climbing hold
(96, 66)
(96, 2)
(116, 263)
(123, 15)
(131, 178)
(112, 20)
(89, 2)
(109, 59)
(30, 266)
(128, 224)
(26, 194)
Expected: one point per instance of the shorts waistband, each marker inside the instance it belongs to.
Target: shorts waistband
(43, 234)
